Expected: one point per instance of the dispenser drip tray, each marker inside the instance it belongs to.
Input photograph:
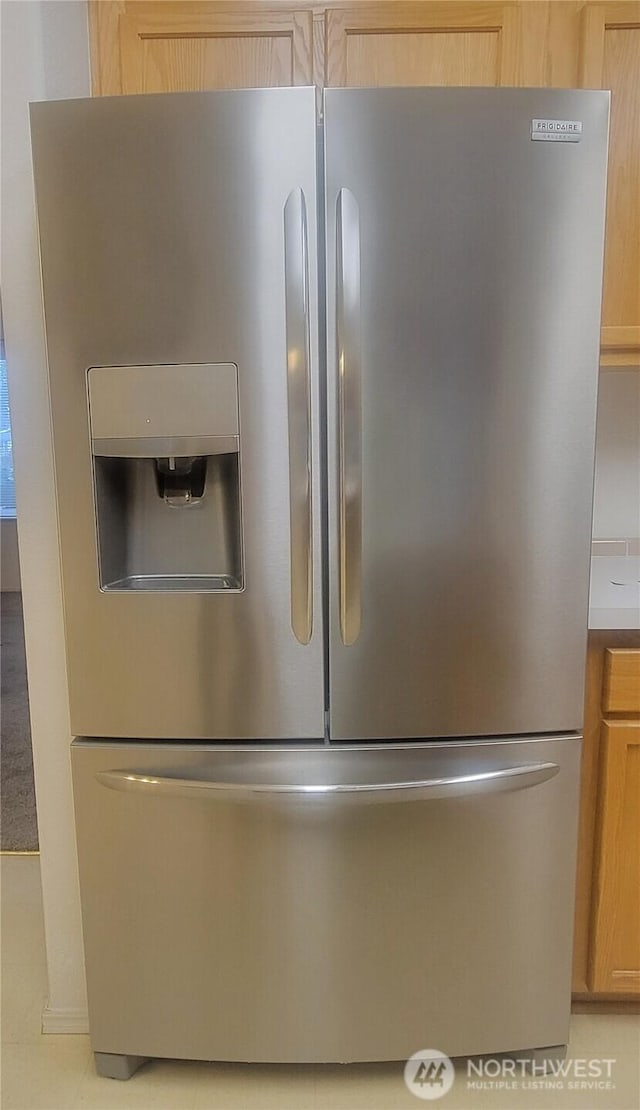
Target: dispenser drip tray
(185, 583)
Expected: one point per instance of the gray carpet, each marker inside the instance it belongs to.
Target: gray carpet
(19, 827)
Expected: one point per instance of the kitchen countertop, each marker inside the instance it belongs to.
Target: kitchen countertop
(615, 592)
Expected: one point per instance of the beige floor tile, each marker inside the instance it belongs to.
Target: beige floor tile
(23, 988)
(21, 912)
(365, 1087)
(256, 1087)
(21, 909)
(44, 1075)
(20, 1007)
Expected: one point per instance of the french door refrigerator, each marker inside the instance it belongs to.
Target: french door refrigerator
(323, 419)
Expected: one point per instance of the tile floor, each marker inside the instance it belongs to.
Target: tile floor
(56, 1072)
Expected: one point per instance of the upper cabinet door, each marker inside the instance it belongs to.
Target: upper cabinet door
(169, 46)
(610, 59)
(453, 43)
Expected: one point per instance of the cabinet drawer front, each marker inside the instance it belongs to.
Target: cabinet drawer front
(621, 690)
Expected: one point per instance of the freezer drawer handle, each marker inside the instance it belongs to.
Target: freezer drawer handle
(296, 277)
(484, 782)
(349, 413)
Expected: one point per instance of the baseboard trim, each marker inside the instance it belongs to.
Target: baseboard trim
(61, 1020)
(588, 1004)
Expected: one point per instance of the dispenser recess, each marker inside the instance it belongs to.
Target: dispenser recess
(165, 449)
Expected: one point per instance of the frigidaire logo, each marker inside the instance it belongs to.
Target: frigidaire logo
(558, 130)
(558, 125)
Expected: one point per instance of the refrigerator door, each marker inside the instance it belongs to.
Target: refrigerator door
(179, 258)
(327, 904)
(463, 275)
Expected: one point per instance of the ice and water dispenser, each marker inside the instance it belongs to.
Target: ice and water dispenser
(165, 444)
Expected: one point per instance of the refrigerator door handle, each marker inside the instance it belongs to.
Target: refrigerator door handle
(454, 786)
(296, 275)
(349, 413)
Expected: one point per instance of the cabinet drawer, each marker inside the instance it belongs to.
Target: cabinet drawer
(621, 688)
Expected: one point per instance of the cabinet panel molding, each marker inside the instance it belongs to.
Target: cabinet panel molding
(448, 58)
(508, 43)
(599, 642)
(610, 58)
(104, 45)
(615, 940)
(429, 43)
(621, 346)
(621, 689)
(162, 46)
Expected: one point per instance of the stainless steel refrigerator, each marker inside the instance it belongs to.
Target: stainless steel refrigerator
(323, 419)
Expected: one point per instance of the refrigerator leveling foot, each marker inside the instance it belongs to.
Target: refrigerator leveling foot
(112, 1065)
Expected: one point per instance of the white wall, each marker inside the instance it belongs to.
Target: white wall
(9, 562)
(44, 55)
(616, 508)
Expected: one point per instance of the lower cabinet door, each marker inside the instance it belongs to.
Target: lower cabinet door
(327, 904)
(615, 936)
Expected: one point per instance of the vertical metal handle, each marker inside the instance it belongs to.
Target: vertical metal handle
(296, 278)
(349, 414)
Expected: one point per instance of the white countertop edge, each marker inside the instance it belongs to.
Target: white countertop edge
(614, 618)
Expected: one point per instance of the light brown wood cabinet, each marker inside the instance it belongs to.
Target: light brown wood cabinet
(146, 46)
(178, 45)
(456, 42)
(615, 940)
(607, 935)
(610, 59)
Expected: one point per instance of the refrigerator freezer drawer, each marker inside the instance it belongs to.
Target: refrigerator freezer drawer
(273, 905)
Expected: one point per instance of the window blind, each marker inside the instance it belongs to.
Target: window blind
(7, 487)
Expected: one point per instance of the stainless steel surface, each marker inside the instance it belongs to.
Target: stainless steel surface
(187, 583)
(361, 793)
(327, 932)
(481, 265)
(136, 401)
(154, 537)
(153, 447)
(269, 903)
(296, 269)
(348, 327)
(190, 272)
